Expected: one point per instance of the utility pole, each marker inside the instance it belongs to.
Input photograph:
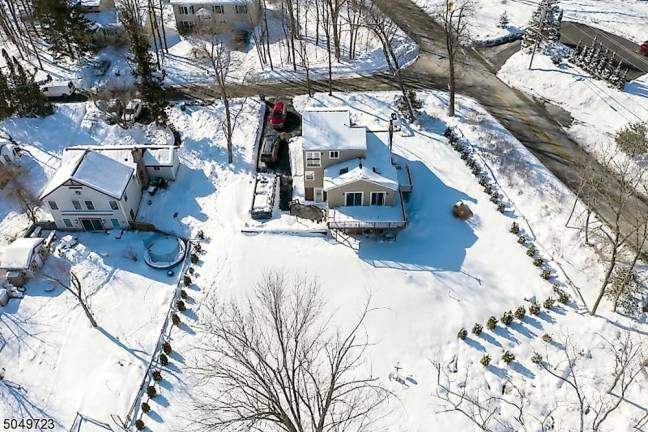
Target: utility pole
(537, 42)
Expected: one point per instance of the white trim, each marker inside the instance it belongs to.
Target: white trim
(357, 192)
(309, 175)
(331, 154)
(313, 156)
(384, 201)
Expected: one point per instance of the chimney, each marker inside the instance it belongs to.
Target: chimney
(140, 168)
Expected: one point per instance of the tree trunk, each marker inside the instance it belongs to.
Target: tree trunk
(608, 275)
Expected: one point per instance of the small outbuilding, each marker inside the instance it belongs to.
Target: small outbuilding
(9, 152)
(22, 259)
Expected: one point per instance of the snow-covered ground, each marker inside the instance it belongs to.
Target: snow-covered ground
(599, 110)
(439, 275)
(183, 65)
(56, 364)
(625, 18)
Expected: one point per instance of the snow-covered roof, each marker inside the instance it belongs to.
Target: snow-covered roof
(330, 129)
(90, 3)
(159, 156)
(153, 155)
(18, 255)
(94, 170)
(376, 167)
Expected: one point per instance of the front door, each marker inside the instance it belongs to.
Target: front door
(92, 224)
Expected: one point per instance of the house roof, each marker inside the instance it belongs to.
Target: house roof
(330, 129)
(376, 167)
(18, 255)
(153, 155)
(94, 170)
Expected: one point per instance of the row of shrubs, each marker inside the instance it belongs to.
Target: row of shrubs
(163, 358)
(531, 251)
(519, 313)
(467, 155)
(508, 357)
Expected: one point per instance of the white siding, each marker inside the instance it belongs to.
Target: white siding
(64, 195)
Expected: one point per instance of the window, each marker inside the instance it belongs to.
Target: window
(310, 175)
(126, 198)
(52, 205)
(241, 9)
(115, 223)
(76, 204)
(183, 10)
(353, 198)
(156, 168)
(68, 223)
(191, 10)
(377, 198)
(334, 154)
(89, 205)
(132, 214)
(313, 159)
(218, 9)
(113, 205)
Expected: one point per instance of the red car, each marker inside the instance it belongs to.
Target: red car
(278, 116)
(643, 48)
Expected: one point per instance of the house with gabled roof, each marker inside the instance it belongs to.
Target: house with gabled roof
(353, 172)
(92, 192)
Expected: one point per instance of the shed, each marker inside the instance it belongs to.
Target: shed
(22, 259)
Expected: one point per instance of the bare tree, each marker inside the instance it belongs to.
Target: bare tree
(622, 228)
(276, 364)
(454, 16)
(628, 357)
(484, 407)
(11, 180)
(217, 53)
(73, 285)
(385, 30)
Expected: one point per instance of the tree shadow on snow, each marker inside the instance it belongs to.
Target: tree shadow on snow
(498, 371)
(490, 339)
(153, 415)
(506, 334)
(522, 330)
(522, 370)
(435, 239)
(475, 344)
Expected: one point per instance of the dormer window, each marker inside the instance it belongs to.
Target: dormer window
(344, 170)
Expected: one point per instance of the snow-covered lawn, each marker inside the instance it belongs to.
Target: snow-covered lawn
(55, 363)
(183, 68)
(599, 111)
(625, 18)
(439, 275)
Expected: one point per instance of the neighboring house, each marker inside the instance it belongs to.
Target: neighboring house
(224, 14)
(92, 192)
(159, 161)
(22, 259)
(9, 152)
(353, 171)
(96, 6)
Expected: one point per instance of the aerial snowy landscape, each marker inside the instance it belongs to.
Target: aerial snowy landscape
(327, 215)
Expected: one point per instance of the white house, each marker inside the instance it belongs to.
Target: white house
(159, 161)
(22, 259)
(92, 192)
(224, 14)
